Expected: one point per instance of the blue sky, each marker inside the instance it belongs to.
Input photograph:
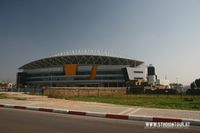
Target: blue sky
(165, 33)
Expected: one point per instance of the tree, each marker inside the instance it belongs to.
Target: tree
(192, 85)
(197, 82)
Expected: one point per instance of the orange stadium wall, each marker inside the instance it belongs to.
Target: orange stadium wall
(93, 72)
(71, 69)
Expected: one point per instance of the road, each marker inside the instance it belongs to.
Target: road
(25, 121)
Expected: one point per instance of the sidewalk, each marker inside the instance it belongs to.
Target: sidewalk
(44, 102)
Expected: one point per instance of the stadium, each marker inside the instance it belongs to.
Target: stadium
(80, 69)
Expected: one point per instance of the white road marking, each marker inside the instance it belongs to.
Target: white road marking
(126, 111)
(134, 111)
(130, 111)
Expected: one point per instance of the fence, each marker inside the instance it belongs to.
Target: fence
(83, 91)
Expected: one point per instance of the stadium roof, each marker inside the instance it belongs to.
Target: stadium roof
(79, 57)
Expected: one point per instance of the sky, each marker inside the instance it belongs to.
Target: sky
(165, 33)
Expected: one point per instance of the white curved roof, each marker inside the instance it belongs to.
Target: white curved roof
(85, 57)
(94, 52)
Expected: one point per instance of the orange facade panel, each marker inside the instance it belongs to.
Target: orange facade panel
(93, 72)
(71, 69)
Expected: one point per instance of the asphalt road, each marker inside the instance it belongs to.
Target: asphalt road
(25, 121)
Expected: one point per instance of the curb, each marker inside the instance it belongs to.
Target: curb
(103, 115)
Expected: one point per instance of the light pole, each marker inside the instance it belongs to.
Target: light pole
(51, 78)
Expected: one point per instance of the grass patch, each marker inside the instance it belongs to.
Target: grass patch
(33, 93)
(3, 96)
(6, 96)
(153, 101)
(20, 98)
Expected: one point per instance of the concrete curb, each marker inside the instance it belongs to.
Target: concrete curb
(103, 115)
